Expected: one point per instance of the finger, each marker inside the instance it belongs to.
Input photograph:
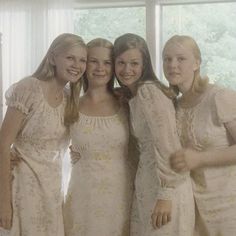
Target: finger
(179, 166)
(154, 220)
(159, 221)
(169, 217)
(177, 154)
(8, 224)
(164, 219)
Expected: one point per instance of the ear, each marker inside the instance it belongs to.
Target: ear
(51, 59)
(197, 65)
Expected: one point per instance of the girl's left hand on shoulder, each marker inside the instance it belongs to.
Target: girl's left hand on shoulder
(185, 160)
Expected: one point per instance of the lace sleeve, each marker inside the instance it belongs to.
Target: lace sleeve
(159, 113)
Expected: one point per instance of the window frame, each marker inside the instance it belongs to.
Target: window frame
(152, 16)
(154, 42)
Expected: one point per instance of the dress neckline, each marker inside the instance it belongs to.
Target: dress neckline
(45, 100)
(102, 117)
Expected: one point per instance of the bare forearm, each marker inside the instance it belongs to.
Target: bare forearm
(5, 172)
(220, 157)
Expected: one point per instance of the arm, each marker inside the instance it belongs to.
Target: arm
(9, 130)
(159, 114)
(223, 104)
(189, 159)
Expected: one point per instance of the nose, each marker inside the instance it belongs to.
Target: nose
(173, 62)
(100, 66)
(127, 67)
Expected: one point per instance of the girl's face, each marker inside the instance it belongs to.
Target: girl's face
(70, 65)
(99, 66)
(129, 67)
(179, 65)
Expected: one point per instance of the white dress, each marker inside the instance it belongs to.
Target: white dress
(202, 128)
(100, 191)
(36, 188)
(154, 125)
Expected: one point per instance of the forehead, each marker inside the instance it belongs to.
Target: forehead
(177, 48)
(99, 52)
(133, 53)
(74, 49)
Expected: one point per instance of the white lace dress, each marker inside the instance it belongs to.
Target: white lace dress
(201, 127)
(154, 125)
(37, 197)
(101, 187)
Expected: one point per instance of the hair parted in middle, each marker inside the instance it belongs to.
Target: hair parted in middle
(199, 84)
(132, 41)
(103, 43)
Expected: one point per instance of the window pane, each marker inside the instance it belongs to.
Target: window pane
(109, 23)
(213, 27)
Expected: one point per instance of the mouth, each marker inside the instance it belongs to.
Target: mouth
(174, 74)
(74, 73)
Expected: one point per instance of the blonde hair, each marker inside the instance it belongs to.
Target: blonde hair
(133, 41)
(103, 43)
(46, 71)
(199, 84)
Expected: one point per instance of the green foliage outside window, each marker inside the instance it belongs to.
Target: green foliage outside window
(110, 23)
(214, 28)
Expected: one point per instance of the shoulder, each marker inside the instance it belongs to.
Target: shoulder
(223, 102)
(150, 90)
(219, 93)
(28, 82)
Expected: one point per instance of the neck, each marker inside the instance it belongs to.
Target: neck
(57, 85)
(98, 93)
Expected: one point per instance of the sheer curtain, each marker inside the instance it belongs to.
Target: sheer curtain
(27, 29)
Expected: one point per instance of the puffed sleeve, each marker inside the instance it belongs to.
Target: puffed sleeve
(159, 113)
(225, 105)
(20, 95)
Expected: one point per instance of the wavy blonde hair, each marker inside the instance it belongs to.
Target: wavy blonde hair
(46, 71)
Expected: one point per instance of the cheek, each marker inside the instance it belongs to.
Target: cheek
(139, 71)
(117, 70)
(84, 66)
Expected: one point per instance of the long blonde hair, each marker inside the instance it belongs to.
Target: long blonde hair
(46, 71)
(199, 83)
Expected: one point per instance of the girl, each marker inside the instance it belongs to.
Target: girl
(206, 118)
(101, 186)
(161, 196)
(33, 131)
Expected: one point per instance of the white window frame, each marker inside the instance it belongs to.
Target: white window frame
(152, 29)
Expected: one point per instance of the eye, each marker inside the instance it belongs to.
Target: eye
(120, 63)
(108, 63)
(92, 61)
(83, 60)
(167, 59)
(69, 57)
(181, 58)
(134, 63)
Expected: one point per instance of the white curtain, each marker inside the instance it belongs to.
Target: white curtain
(28, 27)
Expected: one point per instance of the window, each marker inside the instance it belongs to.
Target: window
(212, 25)
(109, 23)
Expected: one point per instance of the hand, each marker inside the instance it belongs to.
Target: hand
(15, 160)
(185, 160)
(162, 213)
(74, 156)
(6, 214)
